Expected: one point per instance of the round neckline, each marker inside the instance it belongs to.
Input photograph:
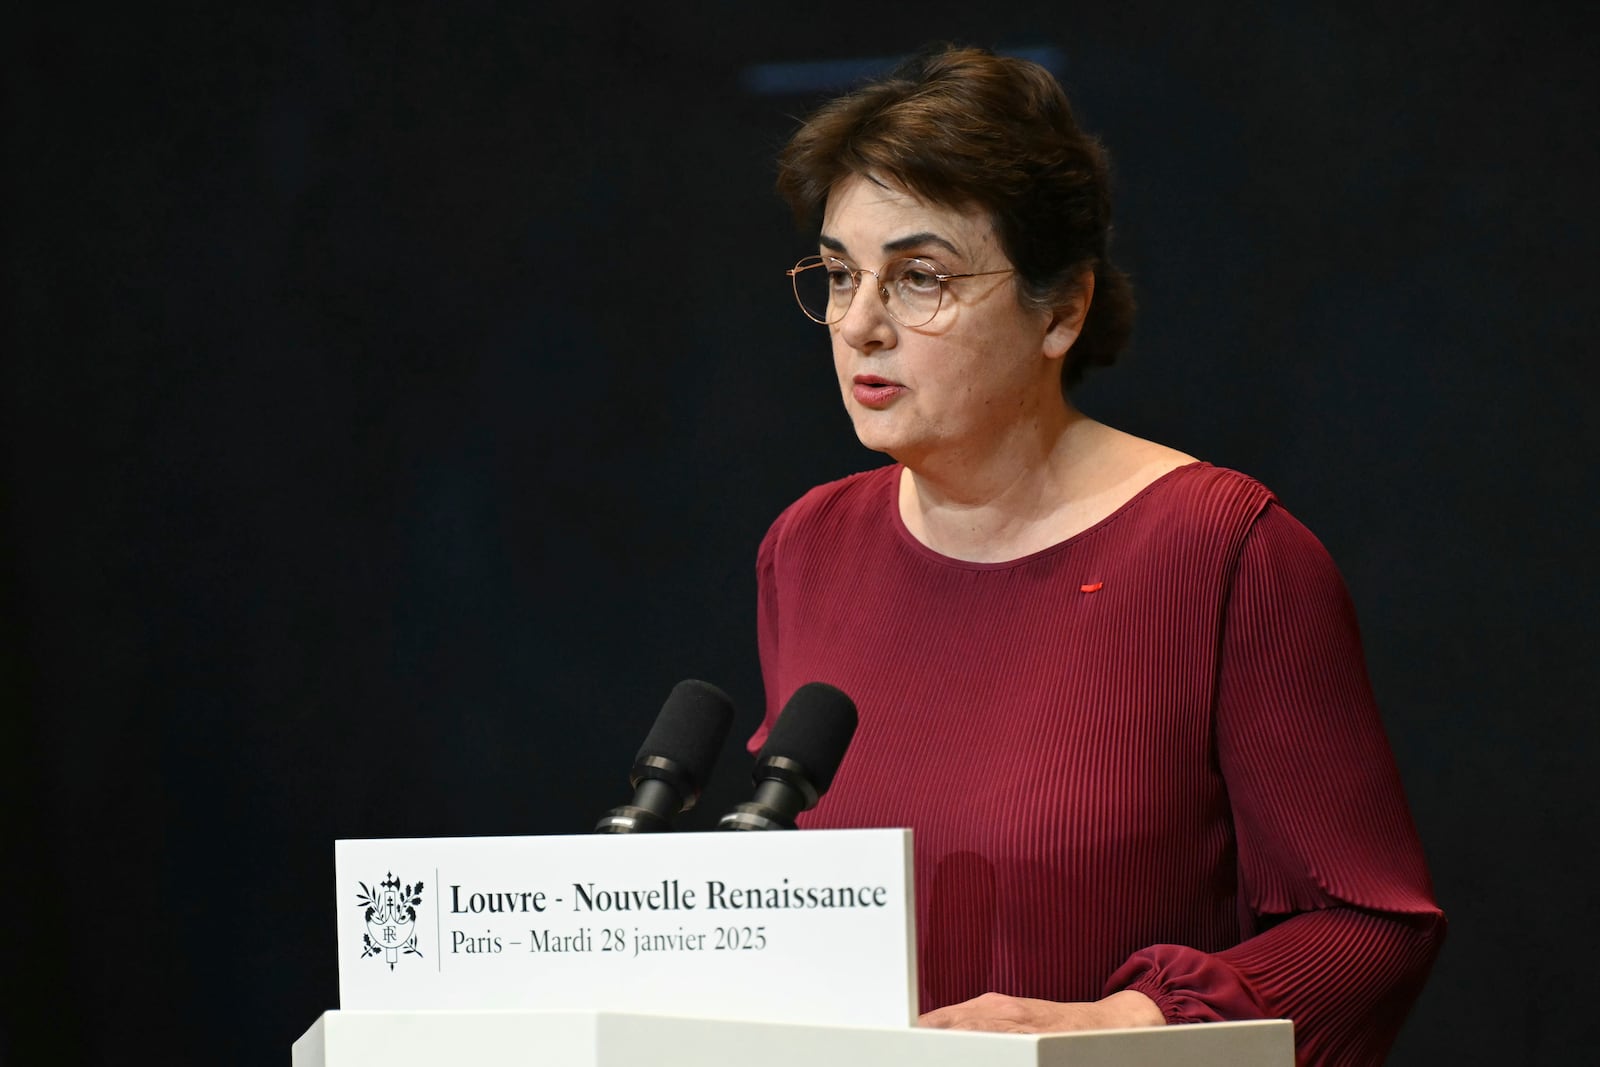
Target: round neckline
(935, 556)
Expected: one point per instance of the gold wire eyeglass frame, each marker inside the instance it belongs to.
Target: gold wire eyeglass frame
(894, 271)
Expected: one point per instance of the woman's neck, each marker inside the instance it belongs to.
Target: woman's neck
(1034, 493)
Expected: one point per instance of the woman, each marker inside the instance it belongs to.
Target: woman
(1117, 692)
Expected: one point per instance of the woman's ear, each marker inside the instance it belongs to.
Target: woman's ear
(1066, 319)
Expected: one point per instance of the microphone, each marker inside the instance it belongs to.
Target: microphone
(796, 765)
(675, 760)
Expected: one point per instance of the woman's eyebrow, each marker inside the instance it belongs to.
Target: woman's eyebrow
(918, 240)
(899, 244)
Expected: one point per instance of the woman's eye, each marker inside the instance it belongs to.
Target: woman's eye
(919, 279)
(839, 280)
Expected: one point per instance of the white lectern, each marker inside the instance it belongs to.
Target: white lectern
(612, 1039)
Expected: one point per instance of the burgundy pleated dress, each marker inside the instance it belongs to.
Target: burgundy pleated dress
(1147, 757)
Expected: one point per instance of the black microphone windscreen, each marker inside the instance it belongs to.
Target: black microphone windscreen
(691, 728)
(814, 729)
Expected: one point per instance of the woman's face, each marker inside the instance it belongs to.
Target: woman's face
(962, 385)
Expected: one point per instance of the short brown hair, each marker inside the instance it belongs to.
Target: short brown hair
(963, 126)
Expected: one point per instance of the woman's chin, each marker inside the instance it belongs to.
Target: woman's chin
(873, 436)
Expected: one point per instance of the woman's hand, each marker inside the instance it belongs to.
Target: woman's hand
(1020, 1015)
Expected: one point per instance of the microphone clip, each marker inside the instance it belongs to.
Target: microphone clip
(783, 790)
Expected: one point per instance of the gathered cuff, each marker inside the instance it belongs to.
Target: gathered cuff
(1189, 986)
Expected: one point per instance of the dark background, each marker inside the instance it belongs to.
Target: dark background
(392, 402)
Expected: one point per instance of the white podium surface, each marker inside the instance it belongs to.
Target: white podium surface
(615, 1039)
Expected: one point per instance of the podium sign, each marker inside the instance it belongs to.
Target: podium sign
(814, 926)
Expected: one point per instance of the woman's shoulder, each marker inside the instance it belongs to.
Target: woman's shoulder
(1199, 484)
(1164, 484)
(1188, 507)
(851, 500)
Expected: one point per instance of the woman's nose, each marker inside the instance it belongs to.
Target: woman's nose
(866, 325)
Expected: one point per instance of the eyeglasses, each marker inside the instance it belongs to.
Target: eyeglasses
(911, 289)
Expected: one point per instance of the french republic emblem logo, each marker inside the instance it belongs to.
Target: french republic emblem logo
(391, 919)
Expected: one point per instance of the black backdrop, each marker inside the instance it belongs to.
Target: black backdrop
(392, 402)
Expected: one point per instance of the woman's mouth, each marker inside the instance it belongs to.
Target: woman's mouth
(871, 391)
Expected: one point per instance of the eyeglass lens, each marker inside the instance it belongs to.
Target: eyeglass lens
(910, 289)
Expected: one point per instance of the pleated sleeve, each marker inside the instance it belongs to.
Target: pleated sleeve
(1341, 913)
